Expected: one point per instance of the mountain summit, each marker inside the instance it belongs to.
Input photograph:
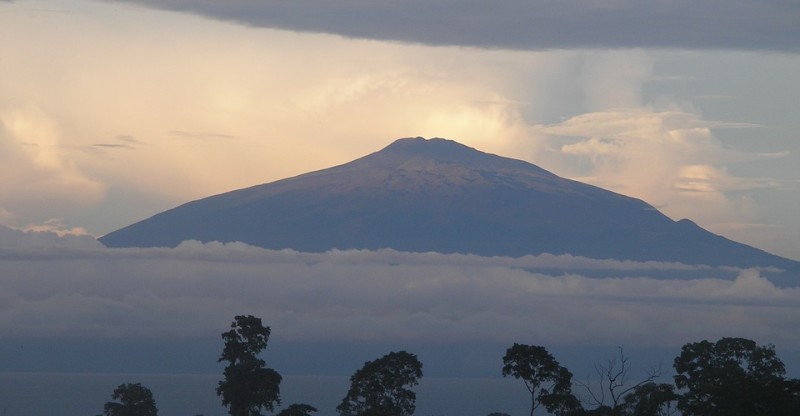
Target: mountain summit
(438, 195)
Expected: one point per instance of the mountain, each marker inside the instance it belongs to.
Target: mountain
(438, 195)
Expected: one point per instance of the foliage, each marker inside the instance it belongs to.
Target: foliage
(733, 377)
(381, 387)
(248, 386)
(599, 411)
(650, 399)
(547, 381)
(134, 400)
(298, 409)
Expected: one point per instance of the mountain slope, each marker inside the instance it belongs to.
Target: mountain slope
(437, 195)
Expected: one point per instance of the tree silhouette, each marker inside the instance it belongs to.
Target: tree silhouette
(248, 385)
(734, 377)
(381, 387)
(650, 399)
(298, 409)
(134, 400)
(614, 383)
(547, 381)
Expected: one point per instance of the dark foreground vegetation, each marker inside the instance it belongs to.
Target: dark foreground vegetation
(730, 377)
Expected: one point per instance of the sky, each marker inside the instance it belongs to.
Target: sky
(113, 111)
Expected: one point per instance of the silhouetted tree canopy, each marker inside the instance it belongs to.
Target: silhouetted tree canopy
(298, 409)
(650, 399)
(734, 377)
(548, 382)
(248, 385)
(599, 411)
(134, 400)
(730, 377)
(382, 387)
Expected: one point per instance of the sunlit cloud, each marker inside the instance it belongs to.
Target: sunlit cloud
(128, 111)
(57, 227)
(266, 105)
(35, 174)
(669, 158)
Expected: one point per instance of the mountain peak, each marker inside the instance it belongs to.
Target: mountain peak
(439, 195)
(440, 155)
(435, 148)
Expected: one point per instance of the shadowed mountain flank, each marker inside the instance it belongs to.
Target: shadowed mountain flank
(438, 195)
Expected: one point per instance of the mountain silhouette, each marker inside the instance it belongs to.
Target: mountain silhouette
(438, 195)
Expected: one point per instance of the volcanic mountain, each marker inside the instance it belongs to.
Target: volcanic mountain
(423, 195)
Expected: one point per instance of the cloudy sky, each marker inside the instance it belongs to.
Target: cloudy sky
(63, 296)
(113, 111)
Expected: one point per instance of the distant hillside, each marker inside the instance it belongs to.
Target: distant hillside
(438, 195)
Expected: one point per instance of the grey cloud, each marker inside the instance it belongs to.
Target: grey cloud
(199, 135)
(385, 296)
(113, 145)
(13, 242)
(524, 24)
(122, 141)
(127, 138)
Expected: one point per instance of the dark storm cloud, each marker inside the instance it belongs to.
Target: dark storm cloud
(525, 24)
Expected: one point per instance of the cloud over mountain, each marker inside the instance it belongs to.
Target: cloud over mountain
(34, 175)
(295, 101)
(692, 168)
(523, 24)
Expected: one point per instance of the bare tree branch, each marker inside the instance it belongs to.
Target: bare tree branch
(613, 379)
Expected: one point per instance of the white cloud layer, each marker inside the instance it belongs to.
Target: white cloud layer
(66, 287)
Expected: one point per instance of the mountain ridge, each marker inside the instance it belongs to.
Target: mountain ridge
(439, 195)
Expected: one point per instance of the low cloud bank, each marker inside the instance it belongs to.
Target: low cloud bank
(86, 290)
